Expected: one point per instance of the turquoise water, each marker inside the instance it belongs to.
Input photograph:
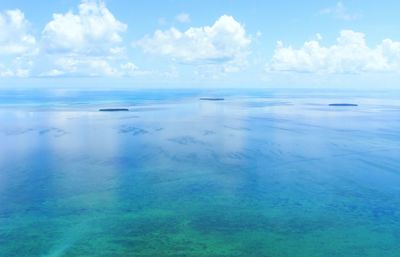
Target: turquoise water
(263, 173)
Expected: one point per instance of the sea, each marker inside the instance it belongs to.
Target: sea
(269, 173)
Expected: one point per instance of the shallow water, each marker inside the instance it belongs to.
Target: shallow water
(259, 174)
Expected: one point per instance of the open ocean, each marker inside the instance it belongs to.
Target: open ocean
(262, 173)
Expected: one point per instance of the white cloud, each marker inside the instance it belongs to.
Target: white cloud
(88, 43)
(14, 34)
(183, 18)
(340, 12)
(17, 45)
(93, 30)
(225, 42)
(350, 54)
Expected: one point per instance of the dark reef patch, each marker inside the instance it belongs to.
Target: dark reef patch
(114, 110)
(127, 129)
(212, 99)
(343, 105)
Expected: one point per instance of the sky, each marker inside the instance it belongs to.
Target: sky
(187, 43)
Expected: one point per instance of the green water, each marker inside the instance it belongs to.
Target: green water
(248, 176)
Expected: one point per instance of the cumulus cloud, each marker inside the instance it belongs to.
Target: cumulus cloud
(14, 36)
(340, 12)
(225, 42)
(94, 29)
(17, 44)
(350, 54)
(86, 43)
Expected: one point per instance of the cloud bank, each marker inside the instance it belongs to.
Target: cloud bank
(89, 41)
(350, 54)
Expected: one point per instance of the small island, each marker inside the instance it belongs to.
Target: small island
(343, 104)
(212, 99)
(114, 110)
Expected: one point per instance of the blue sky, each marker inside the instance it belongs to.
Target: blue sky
(184, 43)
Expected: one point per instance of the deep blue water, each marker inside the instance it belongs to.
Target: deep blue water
(263, 173)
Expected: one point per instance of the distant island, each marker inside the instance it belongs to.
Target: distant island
(343, 104)
(212, 99)
(114, 110)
